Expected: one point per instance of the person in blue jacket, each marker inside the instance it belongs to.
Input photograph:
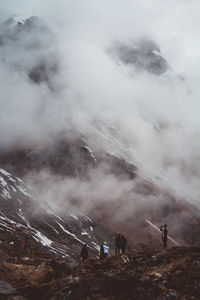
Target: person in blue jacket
(106, 249)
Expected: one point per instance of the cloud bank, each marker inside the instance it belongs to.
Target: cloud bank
(149, 120)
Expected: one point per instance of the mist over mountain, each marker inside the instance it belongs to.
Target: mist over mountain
(99, 147)
(119, 79)
(144, 55)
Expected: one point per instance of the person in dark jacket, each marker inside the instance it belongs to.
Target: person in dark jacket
(123, 244)
(84, 253)
(101, 251)
(164, 231)
(118, 244)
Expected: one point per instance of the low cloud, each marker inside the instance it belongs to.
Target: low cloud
(151, 121)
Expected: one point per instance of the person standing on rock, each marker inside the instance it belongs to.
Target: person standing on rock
(164, 231)
(25, 246)
(106, 249)
(101, 251)
(84, 253)
(118, 244)
(123, 244)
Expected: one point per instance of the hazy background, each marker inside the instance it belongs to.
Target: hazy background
(151, 121)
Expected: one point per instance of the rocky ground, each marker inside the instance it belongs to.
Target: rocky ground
(169, 274)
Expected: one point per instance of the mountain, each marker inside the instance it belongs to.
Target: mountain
(64, 233)
(32, 36)
(22, 217)
(144, 55)
(106, 184)
(83, 179)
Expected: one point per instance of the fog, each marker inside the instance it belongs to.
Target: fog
(151, 121)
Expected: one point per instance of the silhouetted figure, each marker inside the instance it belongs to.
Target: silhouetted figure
(84, 253)
(101, 251)
(25, 246)
(106, 249)
(164, 231)
(118, 244)
(123, 244)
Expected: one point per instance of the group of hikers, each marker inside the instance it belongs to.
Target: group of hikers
(120, 245)
(104, 249)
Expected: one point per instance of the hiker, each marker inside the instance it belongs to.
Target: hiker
(84, 253)
(164, 231)
(123, 244)
(118, 244)
(106, 249)
(25, 245)
(101, 255)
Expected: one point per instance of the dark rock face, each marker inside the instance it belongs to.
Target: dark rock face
(43, 72)
(120, 167)
(32, 39)
(25, 23)
(144, 55)
(64, 157)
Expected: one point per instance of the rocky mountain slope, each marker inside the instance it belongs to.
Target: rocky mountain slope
(171, 274)
(22, 216)
(73, 170)
(143, 55)
(65, 157)
(62, 232)
(22, 33)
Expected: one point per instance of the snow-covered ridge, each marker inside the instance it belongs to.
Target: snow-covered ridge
(11, 185)
(50, 231)
(90, 152)
(15, 20)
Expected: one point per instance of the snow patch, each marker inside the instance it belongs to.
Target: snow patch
(39, 237)
(2, 171)
(52, 228)
(20, 180)
(96, 246)
(5, 194)
(89, 219)
(3, 182)
(68, 232)
(59, 218)
(23, 191)
(73, 216)
(15, 20)
(157, 53)
(84, 232)
(23, 218)
(14, 189)
(10, 221)
(90, 152)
